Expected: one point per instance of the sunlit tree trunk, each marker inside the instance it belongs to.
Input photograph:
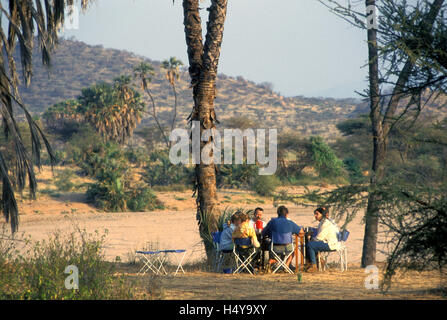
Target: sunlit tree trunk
(203, 61)
(381, 126)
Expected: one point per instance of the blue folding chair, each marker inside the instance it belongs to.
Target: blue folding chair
(218, 259)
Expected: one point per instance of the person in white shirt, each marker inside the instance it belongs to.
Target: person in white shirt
(325, 240)
(257, 216)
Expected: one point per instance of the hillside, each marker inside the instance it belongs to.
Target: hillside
(76, 65)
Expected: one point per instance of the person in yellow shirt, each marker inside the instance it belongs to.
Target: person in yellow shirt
(245, 231)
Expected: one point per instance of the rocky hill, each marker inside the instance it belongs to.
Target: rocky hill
(76, 65)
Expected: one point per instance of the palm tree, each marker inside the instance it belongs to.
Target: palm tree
(144, 72)
(172, 74)
(22, 18)
(203, 61)
(113, 110)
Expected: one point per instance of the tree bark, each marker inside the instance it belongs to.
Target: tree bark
(203, 61)
(381, 126)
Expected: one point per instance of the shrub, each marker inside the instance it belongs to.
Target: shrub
(161, 172)
(115, 188)
(265, 185)
(354, 169)
(143, 199)
(236, 176)
(41, 273)
(63, 181)
(85, 148)
(324, 159)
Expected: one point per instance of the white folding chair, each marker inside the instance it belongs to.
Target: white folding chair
(241, 263)
(281, 239)
(152, 261)
(342, 253)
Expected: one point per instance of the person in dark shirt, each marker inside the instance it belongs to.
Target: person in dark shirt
(283, 229)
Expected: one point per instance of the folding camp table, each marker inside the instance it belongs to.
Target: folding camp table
(154, 261)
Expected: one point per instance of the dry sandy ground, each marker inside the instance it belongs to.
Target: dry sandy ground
(332, 284)
(176, 228)
(131, 231)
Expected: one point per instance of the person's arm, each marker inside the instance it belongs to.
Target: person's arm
(237, 233)
(297, 229)
(254, 238)
(266, 231)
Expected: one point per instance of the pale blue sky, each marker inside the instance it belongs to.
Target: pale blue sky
(297, 45)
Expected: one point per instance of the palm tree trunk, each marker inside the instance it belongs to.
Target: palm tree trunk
(203, 61)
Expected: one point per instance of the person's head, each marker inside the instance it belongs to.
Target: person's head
(232, 220)
(236, 219)
(257, 214)
(243, 217)
(282, 211)
(321, 213)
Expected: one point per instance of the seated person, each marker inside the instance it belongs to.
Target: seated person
(325, 240)
(243, 230)
(282, 226)
(226, 242)
(256, 222)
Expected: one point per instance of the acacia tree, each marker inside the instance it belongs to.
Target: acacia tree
(24, 19)
(404, 40)
(203, 61)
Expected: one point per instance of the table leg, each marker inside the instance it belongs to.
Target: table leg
(302, 251)
(296, 255)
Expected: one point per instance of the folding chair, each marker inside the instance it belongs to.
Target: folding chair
(218, 259)
(240, 262)
(150, 260)
(281, 239)
(342, 252)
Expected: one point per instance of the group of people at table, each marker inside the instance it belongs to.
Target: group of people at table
(279, 230)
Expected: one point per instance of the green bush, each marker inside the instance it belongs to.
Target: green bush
(352, 165)
(236, 176)
(63, 181)
(265, 185)
(324, 159)
(161, 172)
(40, 274)
(86, 149)
(114, 189)
(143, 199)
